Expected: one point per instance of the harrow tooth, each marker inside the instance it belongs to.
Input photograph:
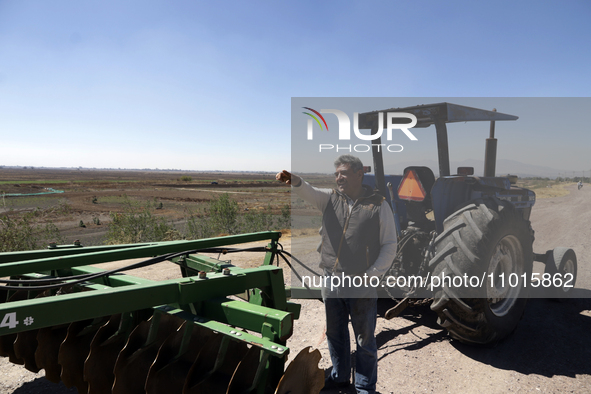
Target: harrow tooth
(48, 345)
(7, 341)
(302, 376)
(220, 366)
(175, 358)
(134, 360)
(74, 350)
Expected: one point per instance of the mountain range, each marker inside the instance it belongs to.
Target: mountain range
(503, 167)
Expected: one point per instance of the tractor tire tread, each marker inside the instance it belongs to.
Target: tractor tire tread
(464, 248)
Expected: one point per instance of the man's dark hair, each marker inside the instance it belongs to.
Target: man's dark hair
(353, 162)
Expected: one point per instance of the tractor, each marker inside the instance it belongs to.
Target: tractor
(470, 233)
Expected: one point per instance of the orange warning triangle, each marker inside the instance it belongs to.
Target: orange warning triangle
(411, 188)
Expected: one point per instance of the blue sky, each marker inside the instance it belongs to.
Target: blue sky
(208, 85)
(551, 133)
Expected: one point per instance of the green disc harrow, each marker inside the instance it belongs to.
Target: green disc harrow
(217, 328)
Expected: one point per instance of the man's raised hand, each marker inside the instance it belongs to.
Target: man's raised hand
(284, 176)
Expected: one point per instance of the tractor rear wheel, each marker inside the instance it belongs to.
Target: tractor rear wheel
(488, 244)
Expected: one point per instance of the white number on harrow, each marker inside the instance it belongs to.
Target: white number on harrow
(9, 320)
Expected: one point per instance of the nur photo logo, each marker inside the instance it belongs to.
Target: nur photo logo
(344, 130)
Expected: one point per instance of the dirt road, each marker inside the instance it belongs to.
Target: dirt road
(550, 351)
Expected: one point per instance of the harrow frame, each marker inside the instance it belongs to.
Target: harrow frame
(200, 297)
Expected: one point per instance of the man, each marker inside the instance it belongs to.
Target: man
(358, 241)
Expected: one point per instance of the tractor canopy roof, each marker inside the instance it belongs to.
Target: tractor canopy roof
(431, 113)
(438, 114)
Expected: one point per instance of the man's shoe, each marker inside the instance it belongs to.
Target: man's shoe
(330, 384)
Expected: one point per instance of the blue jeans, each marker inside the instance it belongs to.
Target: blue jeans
(363, 312)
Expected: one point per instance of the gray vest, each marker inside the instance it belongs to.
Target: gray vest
(351, 243)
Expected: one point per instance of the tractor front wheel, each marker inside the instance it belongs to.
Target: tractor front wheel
(562, 267)
(488, 245)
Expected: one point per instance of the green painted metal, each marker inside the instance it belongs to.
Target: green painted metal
(278, 350)
(192, 264)
(68, 308)
(70, 257)
(64, 250)
(198, 300)
(249, 316)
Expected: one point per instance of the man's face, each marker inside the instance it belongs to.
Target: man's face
(348, 182)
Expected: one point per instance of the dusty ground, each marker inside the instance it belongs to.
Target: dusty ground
(548, 353)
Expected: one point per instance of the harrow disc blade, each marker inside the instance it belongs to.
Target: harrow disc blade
(25, 345)
(74, 351)
(134, 361)
(49, 340)
(170, 369)
(245, 372)
(104, 349)
(203, 364)
(302, 376)
(48, 345)
(218, 377)
(7, 341)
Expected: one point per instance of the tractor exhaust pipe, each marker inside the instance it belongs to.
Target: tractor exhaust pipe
(490, 154)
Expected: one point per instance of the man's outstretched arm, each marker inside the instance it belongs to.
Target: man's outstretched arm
(288, 178)
(315, 196)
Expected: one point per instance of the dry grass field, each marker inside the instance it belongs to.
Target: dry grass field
(546, 189)
(92, 196)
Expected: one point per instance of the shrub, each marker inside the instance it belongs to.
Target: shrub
(253, 222)
(221, 216)
(264, 220)
(199, 227)
(63, 208)
(285, 218)
(21, 234)
(224, 214)
(137, 224)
